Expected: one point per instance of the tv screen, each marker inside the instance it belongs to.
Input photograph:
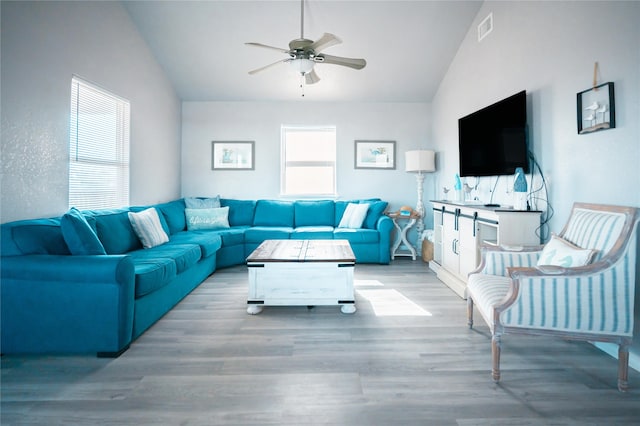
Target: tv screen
(493, 140)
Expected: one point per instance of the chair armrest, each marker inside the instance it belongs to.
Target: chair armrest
(495, 260)
(596, 299)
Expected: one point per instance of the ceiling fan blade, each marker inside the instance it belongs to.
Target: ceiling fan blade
(354, 63)
(279, 49)
(327, 40)
(311, 77)
(268, 66)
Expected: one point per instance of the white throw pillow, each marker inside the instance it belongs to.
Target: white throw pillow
(353, 216)
(148, 228)
(560, 252)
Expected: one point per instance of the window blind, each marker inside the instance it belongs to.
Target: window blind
(98, 148)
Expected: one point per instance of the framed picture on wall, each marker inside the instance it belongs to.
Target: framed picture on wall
(232, 155)
(596, 109)
(375, 155)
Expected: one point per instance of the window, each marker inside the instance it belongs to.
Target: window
(98, 148)
(308, 161)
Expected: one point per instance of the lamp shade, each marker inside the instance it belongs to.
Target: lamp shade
(420, 161)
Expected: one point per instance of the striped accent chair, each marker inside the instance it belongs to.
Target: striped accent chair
(592, 302)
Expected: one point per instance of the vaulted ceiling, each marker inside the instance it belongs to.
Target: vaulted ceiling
(408, 46)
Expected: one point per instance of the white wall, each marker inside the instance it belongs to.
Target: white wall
(408, 124)
(549, 49)
(43, 45)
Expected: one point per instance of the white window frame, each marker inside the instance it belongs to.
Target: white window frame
(285, 129)
(98, 147)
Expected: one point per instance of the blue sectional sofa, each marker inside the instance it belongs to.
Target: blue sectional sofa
(53, 301)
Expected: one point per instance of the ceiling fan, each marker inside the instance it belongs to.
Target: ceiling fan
(303, 54)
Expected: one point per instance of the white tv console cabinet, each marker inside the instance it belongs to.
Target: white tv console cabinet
(461, 228)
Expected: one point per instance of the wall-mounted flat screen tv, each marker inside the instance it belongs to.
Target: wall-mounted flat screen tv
(493, 140)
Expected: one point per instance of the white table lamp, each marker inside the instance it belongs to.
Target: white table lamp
(420, 162)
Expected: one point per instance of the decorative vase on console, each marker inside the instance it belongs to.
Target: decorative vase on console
(520, 190)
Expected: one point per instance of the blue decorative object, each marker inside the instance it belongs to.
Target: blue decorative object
(520, 182)
(458, 185)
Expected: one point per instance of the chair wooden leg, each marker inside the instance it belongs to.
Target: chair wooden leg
(623, 367)
(470, 311)
(495, 357)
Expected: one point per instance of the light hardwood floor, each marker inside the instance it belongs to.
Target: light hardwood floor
(209, 363)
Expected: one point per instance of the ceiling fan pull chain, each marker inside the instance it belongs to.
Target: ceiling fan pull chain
(302, 84)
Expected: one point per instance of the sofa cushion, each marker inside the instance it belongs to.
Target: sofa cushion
(273, 213)
(209, 241)
(213, 218)
(202, 203)
(184, 255)
(376, 208)
(39, 236)
(78, 235)
(258, 234)
(357, 236)
(312, 233)
(115, 231)
(314, 213)
(152, 273)
(148, 228)
(232, 236)
(354, 216)
(173, 213)
(240, 211)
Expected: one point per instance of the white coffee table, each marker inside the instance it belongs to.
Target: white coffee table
(301, 273)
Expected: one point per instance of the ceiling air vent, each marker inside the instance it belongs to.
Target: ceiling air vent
(485, 27)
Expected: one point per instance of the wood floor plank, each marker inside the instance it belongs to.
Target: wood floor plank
(209, 363)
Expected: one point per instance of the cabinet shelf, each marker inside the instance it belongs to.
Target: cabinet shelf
(460, 232)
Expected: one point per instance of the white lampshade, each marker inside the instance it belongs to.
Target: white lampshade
(420, 161)
(302, 66)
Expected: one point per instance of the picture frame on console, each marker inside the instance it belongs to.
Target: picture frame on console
(375, 155)
(232, 155)
(596, 109)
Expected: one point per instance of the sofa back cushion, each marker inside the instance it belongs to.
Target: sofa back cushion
(273, 213)
(376, 208)
(314, 213)
(37, 236)
(115, 231)
(173, 214)
(240, 211)
(80, 237)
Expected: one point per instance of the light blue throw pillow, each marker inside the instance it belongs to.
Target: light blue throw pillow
(80, 238)
(198, 219)
(354, 216)
(202, 203)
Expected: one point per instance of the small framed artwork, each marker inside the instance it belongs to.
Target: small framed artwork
(232, 155)
(596, 109)
(375, 155)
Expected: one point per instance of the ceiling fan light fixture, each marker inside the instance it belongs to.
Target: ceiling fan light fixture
(302, 65)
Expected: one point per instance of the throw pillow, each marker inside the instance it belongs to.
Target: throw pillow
(146, 224)
(207, 218)
(376, 208)
(202, 203)
(80, 238)
(353, 216)
(560, 252)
